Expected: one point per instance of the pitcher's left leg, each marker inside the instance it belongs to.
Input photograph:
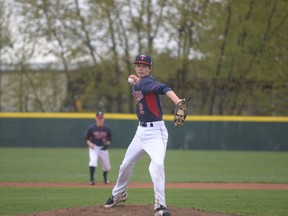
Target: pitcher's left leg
(156, 149)
(158, 177)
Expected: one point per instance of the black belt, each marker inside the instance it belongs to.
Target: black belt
(144, 124)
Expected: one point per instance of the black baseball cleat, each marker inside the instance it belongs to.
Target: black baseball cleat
(106, 181)
(112, 201)
(162, 211)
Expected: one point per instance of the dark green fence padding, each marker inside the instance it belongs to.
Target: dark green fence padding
(218, 133)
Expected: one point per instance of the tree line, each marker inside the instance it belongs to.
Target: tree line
(229, 56)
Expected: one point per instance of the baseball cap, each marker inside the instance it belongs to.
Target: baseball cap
(143, 59)
(100, 115)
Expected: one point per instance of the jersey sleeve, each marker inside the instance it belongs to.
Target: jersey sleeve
(87, 134)
(157, 88)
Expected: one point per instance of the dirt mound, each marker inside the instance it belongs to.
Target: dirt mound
(124, 210)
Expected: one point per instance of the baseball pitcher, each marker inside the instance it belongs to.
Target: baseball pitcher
(151, 136)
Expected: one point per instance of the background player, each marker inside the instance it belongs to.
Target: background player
(151, 136)
(98, 138)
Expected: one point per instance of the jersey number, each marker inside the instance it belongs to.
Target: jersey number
(141, 110)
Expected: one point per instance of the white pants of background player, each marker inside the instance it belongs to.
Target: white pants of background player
(153, 141)
(95, 154)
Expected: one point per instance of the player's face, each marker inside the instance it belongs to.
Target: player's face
(100, 121)
(142, 70)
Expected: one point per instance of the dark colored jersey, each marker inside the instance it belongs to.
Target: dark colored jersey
(96, 134)
(146, 93)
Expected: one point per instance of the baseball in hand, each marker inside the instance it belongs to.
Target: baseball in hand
(131, 80)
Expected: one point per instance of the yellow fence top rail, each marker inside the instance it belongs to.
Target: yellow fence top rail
(121, 116)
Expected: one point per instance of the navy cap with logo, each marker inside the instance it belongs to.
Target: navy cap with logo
(100, 115)
(143, 59)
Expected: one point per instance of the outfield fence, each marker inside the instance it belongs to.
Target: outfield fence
(198, 132)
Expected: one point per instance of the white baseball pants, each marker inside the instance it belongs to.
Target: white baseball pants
(153, 141)
(95, 154)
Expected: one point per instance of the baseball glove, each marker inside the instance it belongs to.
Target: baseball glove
(106, 144)
(180, 112)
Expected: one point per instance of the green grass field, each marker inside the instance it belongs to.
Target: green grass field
(71, 165)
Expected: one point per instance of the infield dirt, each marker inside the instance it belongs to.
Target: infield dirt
(143, 210)
(124, 210)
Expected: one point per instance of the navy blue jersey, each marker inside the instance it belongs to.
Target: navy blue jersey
(146, 93)
(96, 134)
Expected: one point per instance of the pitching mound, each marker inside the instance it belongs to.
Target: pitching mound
(124, 210)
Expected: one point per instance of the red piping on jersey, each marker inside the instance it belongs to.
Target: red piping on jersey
(154, 87)
(152, 104)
